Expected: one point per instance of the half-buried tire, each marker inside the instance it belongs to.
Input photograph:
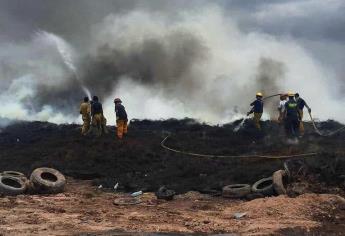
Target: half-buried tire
(236, 191)
(278, 183)
(11, 186)
(47, 180)
(264, 186)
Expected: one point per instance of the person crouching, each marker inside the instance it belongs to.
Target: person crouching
(121, 118)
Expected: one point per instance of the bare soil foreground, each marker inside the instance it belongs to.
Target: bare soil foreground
(314, 205)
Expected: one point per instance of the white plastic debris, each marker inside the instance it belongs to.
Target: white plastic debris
(135, 194)
(239, 215)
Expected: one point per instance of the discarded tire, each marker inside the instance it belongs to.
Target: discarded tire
(166, 194)
(11, 186)
(264, 186)
(47, 180)
(13, 173)
(236, 190)
(278, 183)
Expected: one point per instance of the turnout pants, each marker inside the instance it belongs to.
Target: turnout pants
(121, 128)
(97, 120)
(86, 124)
(257, 117)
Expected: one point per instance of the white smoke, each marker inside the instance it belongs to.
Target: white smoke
(217, 89)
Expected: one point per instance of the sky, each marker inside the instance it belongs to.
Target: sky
(183, 58)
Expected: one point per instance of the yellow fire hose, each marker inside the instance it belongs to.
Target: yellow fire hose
(232, 156)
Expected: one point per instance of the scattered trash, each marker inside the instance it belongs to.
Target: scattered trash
(127, 201)
(116, 186)
(100, 186)
(239, 215)
(135, 194)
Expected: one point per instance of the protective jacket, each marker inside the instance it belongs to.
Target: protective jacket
(120, 111)
(85, 109)
(291, 108)
(96, 108)
(258, 106)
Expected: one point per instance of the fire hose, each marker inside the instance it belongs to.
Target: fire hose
(163, 145)
(319, 132)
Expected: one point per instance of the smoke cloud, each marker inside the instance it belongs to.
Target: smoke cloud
(163, 61)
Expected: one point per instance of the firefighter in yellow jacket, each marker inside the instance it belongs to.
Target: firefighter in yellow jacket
(85, 111)
(121, 118)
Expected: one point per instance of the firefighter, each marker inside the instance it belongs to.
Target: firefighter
(121, 118)
(258, 107)
(97, 115)
(281, 107)
(291, 117)
(301, 104)
(85, 110)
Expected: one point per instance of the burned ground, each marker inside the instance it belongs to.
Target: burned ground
(140, 163)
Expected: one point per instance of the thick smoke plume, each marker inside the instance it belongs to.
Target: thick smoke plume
(196, 63)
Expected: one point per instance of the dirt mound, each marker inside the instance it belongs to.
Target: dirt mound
(140, 163)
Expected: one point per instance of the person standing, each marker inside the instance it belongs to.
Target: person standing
(258, 108)
(281, 107)
(97, 115)
(301, 104)
(121, 118)
(291, 117)
(85, 110)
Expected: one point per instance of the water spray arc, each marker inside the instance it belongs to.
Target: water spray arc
(66, 52)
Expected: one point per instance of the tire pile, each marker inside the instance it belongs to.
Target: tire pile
(270, 186)
(42, 181)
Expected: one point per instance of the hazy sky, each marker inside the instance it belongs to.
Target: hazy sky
(299, 40)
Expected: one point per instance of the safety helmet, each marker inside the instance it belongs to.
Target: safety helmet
(259, 94)
(291, 94)
(117, 100)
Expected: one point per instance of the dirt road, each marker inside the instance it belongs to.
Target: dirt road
(85, 209)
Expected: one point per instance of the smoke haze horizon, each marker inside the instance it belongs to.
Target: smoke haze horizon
(164, 61)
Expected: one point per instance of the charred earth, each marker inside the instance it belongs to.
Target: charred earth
(140, 163)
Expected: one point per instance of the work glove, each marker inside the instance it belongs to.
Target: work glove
(309, 109)
(248, 113)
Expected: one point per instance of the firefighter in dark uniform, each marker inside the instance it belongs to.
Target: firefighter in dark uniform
(291, 117)
(97, 115)
(121, 118)
(301, 104)
(258, 108)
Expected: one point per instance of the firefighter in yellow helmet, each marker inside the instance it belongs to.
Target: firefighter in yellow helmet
(291, 117)
(121, 118)
(85, 110)
(258, 108)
